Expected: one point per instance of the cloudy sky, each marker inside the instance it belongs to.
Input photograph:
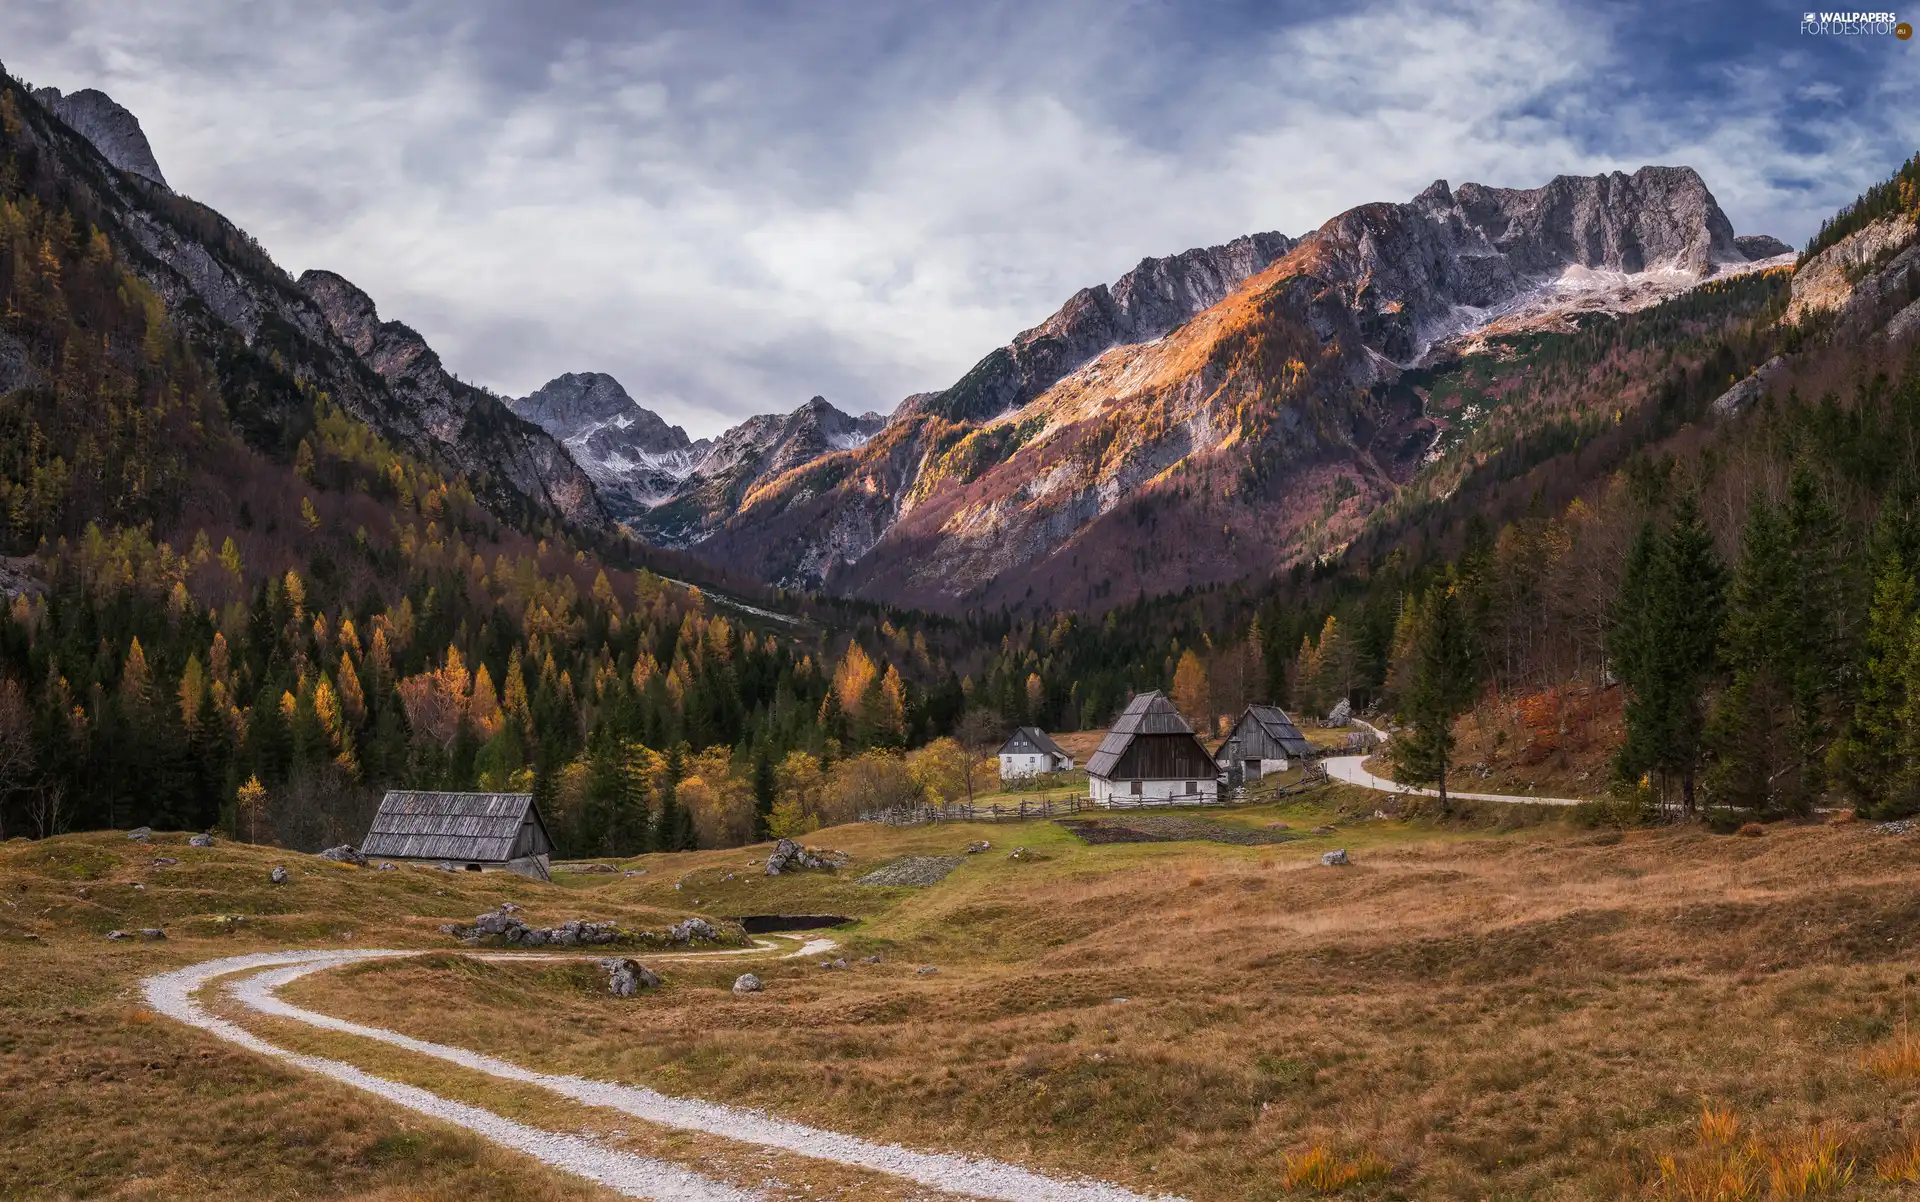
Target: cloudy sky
(735, 207)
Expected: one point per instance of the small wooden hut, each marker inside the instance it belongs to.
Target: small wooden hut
(1150, 756)
(1031, 752)
(474, 831)
(1263, 741)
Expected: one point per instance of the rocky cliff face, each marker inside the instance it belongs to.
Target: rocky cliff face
(1142, 305)
(254, 322)
(1218, 413)
(635, 459)
(473, 430)
(748, 458)
(112, 130)
(1451, 261)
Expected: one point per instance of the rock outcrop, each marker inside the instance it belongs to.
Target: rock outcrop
(1142, 305)
(1271, 364)
(112, 130)
(475, 431)
(1863, 279)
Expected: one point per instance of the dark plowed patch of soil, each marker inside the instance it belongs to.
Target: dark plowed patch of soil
(761, 924)
(1170, 828)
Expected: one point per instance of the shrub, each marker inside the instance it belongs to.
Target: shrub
(1321, 1168)
(1751, 830)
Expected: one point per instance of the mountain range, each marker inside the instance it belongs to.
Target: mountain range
(1209, 416)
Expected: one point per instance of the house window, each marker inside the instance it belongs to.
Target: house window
(1136, 788)
(1193, 787)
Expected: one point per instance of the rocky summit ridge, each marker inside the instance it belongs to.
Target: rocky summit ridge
(112, 130)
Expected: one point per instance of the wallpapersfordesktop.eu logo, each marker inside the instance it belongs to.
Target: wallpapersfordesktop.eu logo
(1856, 24)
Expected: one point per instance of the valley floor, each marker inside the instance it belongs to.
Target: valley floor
(1468, 1011)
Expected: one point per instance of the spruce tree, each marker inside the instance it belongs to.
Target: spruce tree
(1753, 732)
(1668, 631)
(1867, 759)
(1441, 687)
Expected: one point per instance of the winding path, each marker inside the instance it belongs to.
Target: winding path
(1352, 769)
(628, 1174)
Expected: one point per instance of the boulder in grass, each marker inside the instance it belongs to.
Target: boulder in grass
(974, 849)
(788, 856)
(346, 853)
(140, 834)
(691, 929)
(164, 861)
(1341, 714)
(628, 977)
(1336, 858)
(278, 876)
(201, 840)
(599, 868)
(747, 983)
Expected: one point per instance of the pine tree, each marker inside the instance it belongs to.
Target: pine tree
(1752, 731)
(1441, 687)
(1666, 646)
(1867, 759)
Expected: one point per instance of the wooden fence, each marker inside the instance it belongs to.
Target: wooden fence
(1044, 808)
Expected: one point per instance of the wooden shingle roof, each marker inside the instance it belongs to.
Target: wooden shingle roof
(470, 827)
(1280, 728)
(1147, 714)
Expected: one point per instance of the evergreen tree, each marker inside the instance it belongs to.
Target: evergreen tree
(1753, 731)
(1666, 649)
(1867, 760)
(1441, 687)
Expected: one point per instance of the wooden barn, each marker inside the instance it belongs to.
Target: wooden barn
(1031, 752)
(1151, 757)
(1264, 740)
(474, 831)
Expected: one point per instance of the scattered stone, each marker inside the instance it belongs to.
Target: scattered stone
(278, 876)
(925, 970)
(1341, 714)
(747, 983)
(1902, 826)
(870, 960)
(201, 840)
(833, 964)
(1121, 1001)
(974, 849)
(789, 856)
(83, 893)
(139, 888)
(1024, 853)
(598, 868)
(346, 853)
(1279, 826)
(628, 977)
(634, 872)
(119, 934)
(914, 872)
(509, 908)
(1321, 830)
(140, 834)
(512, 932)
(691, 929)
(383, 866)
(1336, 858)
(164, 861)
(147, 933)
(1381, 815)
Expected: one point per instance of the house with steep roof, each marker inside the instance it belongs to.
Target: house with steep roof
(1031, 752)
(474, 831)
(1263, 741)
(1151, 757)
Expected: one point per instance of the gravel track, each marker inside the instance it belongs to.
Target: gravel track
(622, 1172)
(171, 994)
(1352, 770)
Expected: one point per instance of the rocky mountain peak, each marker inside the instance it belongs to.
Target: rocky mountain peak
(351, 312)
(577, 403)
(112, 130)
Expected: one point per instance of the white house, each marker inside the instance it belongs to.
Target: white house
(1151, 757)
(1031, 753)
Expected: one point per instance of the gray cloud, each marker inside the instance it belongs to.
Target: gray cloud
(734, 208)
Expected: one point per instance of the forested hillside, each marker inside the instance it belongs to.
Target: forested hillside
(232, 602)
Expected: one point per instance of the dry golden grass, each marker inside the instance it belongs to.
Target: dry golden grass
(1527, 1014)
